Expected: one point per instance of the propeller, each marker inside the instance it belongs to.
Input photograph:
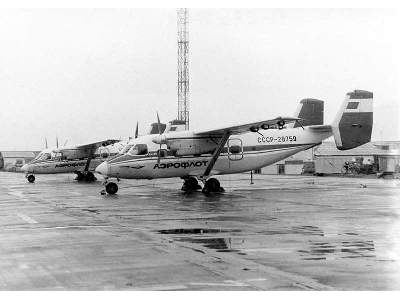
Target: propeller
(137, 130)
(57, 141)
(45, 143)
(159, 132)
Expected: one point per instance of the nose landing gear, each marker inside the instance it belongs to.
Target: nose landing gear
(85, 176)
(111, 188)
(31, 178)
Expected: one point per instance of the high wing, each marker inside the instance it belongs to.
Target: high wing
(226, 132)
(243, 128)
(94, 145)
(172, 140)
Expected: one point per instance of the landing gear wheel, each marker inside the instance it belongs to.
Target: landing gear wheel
(90, 176)
(31, 178)
(190, 184)
(79, 176)
(111, 188)
(212, 185)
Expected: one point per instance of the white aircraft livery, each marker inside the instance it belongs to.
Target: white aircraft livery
(80, 159)
(198, 155)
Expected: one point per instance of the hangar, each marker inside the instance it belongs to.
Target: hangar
(376, 157)
(383, 157)
(14, 160)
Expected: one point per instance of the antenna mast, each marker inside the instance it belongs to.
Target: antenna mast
(183, 66)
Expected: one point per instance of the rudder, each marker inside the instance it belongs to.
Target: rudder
(352, 126)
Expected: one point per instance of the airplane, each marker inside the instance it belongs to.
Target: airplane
(200, 154)
(81, 159)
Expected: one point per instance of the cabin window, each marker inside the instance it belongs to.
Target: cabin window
(235, 149)
(352, 105)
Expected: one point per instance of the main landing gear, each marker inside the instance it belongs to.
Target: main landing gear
(85, 176)
(31, 178)
(211, 185)
(191, 184)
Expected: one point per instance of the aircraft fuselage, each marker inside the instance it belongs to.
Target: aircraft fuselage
(240, 154)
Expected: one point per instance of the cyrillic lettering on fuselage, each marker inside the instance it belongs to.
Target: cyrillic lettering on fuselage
(67, 165)
(185, 164)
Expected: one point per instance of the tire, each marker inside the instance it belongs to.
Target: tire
(111, 188)
(90, 176)
(31, 178)
(79, 176)
(212, 185)
(191, 184)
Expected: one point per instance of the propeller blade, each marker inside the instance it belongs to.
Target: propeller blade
(45, 143)
(57, 141)
(158, 124)
(137, 130)
(159, 155)
(159, 132)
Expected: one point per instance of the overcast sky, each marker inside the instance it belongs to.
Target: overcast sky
(88, 74)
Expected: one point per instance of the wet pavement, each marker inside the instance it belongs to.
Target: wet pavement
(281, 233)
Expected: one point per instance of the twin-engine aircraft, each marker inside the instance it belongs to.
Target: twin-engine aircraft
(81, 160)
(198, 155)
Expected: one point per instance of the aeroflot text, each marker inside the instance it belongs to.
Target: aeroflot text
(184, 165)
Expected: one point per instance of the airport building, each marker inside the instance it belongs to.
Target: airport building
(373, 157)
(14, 160)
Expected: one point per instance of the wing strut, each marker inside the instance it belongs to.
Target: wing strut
(89, 159)
(88, 163)
(216, 153)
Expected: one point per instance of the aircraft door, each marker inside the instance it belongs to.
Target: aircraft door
(235, 149)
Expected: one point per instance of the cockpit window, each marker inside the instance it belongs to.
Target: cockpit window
(139, 149)
(43, 156)
(126, 148)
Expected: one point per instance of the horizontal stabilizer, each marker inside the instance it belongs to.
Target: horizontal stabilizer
(311, 111)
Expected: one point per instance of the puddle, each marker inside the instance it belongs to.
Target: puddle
(95, 211)
(344, 249)
(219, 244)
(239, 218)
(304, 230)
(196, 231)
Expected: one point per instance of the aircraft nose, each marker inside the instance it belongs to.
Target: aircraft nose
(102, 168)
(25, 168)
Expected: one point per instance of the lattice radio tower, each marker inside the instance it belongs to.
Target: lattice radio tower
(183, 66)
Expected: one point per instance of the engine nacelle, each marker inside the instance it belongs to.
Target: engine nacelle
(182, 147)
(75, 153)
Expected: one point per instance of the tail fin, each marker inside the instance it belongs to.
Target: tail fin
(352, 126)
(311, 111)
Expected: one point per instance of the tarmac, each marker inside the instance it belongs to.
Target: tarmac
(280, 233)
